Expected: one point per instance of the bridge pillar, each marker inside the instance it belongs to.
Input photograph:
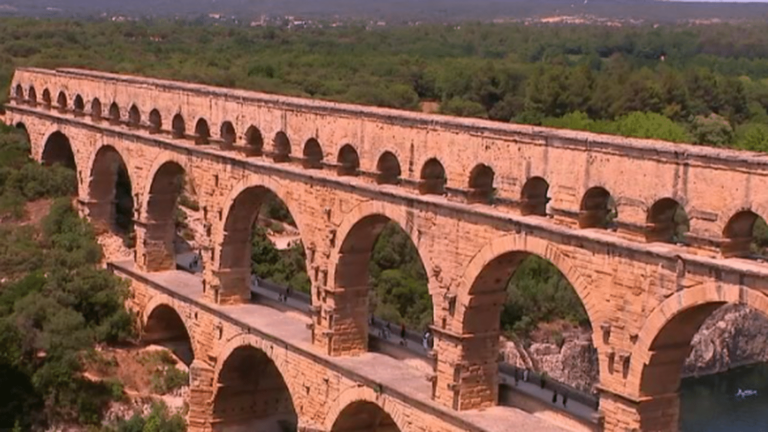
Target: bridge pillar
(467, 373)
(647, 414)
(154, 245)
(342, 327)
(228, 286)
(341, 322)
(201, 394)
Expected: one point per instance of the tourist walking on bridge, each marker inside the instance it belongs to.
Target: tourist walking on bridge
(403, 341)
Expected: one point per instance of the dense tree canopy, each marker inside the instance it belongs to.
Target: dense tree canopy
(55, 302)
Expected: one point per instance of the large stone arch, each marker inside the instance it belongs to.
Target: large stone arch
(61, 151)
(292, 376)
(157, 163)
(239, 210)
(397, 214)
(348, 274)
(157, 303)
(535, 246)
(155, 226)
(680, 303)
(467, 337)
(354, 395)
(103, 168)
(652, 401)
(730, 209)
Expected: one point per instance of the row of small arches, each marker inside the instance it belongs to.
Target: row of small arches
(666, 220)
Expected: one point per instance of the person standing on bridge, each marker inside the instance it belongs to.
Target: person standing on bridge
(565, 399)
(525, 375)
(554, 397)
(425, 340)
(403, 341)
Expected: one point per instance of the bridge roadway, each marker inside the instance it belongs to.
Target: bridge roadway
(394, 376)
(580, 405)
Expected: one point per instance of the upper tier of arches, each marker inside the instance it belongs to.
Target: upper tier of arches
(667, 217)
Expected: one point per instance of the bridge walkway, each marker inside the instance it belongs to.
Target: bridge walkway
(393, 375)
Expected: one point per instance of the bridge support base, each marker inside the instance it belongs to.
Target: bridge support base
(649, 414)
(154, 246)
(467, 370)
(200, 397)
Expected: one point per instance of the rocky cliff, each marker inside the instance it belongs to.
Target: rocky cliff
(733, 336)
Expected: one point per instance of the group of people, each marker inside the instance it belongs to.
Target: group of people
(543, 384)
(385, 332)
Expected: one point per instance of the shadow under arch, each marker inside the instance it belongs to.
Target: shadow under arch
(667, 222)
(745, 235)
(58, 150)
(481, 189)
(164, 326)
(364, 416)
(664, 343)
(598, 209)
(534, 197)
(110, 191)
(356, 395)
(358, 234)
(433, 178)
(252, 392)
(388, 169)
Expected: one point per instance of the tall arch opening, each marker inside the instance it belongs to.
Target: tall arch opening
(114, 114)
(163, 218)
(165, 327)
(667, 222)
(348, 161)
(96, 111)
(18, 94)
(598, 209)
(202, 132)
(313, 154)
(519, 299)
(179, 128)
(433, 178)
(393, 287)
(228, 134)
(254, 142)
(745, 236)
(32, 96)
(252, 394)
(364, 416)
(78, 105)
(534, 197)
(282, 148)
(110, 193)
(134, 117)
(58, 152)
(47, 99)
(687, 343)
(61, 101)
(155, 122)
(388, 169)
(262, 249)
(481, 188)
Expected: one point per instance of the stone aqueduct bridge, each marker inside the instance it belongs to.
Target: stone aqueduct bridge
(474, 196)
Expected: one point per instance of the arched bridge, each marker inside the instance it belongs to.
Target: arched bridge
(474, 196)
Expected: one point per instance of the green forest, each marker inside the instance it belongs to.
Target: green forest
(56, 303)
(698, 84)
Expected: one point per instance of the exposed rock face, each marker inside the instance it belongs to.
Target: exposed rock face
(575, 363)
(733, 336)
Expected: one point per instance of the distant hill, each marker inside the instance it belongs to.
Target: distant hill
(393, 11)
